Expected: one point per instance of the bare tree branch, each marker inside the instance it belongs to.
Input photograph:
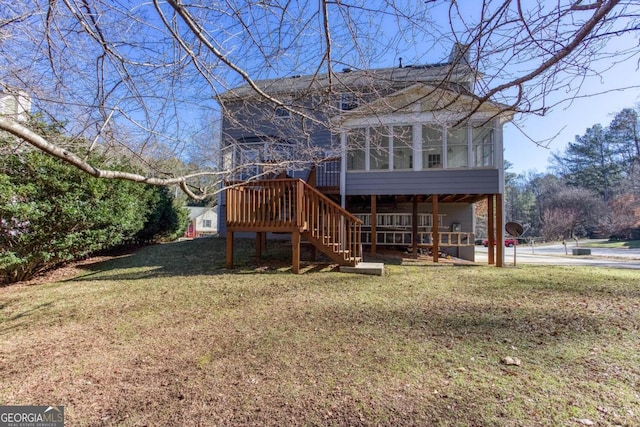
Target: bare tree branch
(141, 80)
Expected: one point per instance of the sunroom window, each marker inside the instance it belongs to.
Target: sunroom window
(356, 140)
(392, 147)
(402, 147)
(378, 148)
(431, 147)
(482, 144)
(457, 148)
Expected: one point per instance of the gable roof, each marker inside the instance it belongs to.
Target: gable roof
(441, 99)
(455, 73)
(196, 211)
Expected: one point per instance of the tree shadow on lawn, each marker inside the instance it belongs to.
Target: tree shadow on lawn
(203, 256)
(20, 319)
(207, 256)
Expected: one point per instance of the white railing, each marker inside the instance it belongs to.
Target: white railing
(425, 238)
(398, 219)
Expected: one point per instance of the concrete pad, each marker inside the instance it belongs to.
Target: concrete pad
(581, 251)
(373, 268)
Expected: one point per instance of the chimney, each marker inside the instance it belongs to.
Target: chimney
(460, 54)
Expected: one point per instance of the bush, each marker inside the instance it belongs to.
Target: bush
(165, 220)
(52, 213)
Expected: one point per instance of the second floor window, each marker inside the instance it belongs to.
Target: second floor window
(282, 112)
(433, 161)
(348, 101)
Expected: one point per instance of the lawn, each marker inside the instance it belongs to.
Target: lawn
(618, 244)
(167, 337)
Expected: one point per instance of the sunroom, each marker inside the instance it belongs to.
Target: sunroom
(423, 156)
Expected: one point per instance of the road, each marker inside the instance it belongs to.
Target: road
(554, 254)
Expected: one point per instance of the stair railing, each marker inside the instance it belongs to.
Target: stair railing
(331, 224)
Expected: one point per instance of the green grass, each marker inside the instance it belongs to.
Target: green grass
(620, 244)
(167, 336)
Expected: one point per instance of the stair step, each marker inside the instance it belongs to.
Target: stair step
(374, 268)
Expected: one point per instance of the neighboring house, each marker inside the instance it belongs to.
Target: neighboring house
(413, 150)
(203, 221)
(14, 103)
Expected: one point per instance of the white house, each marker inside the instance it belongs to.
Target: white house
(203, 221)
(15, 104)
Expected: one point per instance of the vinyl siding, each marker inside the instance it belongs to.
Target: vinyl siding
(258, 119)
(467, 181)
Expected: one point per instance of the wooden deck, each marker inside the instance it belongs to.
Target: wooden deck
(325, 176)
(293, 206)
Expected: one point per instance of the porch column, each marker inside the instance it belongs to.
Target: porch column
(374, 224)
(414, 226)
(499, 232)
(490, 231)
(229, 264)
(435, 234)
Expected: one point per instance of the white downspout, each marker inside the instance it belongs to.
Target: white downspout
(343, 169)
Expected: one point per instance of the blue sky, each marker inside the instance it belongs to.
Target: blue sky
(602, 96)
(568, 119)
(571, 119)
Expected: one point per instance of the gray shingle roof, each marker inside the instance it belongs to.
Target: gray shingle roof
(350, 79)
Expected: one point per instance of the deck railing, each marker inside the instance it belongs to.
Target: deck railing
(269, 204)
(326, 176)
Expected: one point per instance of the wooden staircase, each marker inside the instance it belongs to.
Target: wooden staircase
(293, 206)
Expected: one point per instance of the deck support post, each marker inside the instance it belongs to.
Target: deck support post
(414, 226)
(260, 240)
(499, 232)
(295, 252)
(229, 263)
(490, 230)
(374, 224)
(435, 235)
